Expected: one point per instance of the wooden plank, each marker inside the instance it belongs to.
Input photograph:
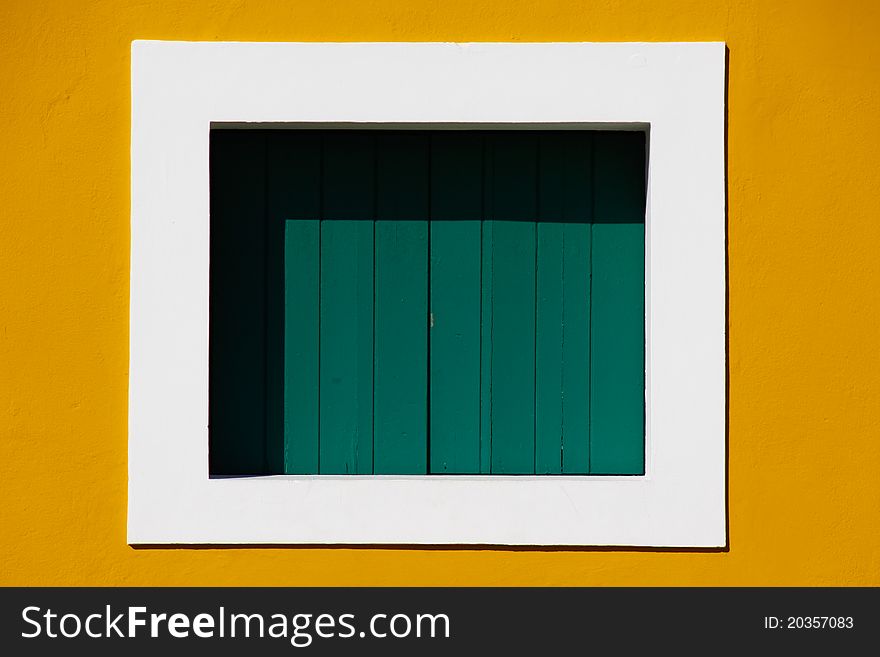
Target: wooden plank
(486, 273)
(346, 332)
(549, 341)
(294, 202)
(563, 331)
(456, 212)
(617, 420)
(514, 190)
(400, 438)
(237, 356)
(577, 239)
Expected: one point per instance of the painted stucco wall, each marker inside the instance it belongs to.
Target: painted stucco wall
(804, 294)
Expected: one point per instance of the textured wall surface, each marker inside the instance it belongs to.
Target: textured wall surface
(804, 297)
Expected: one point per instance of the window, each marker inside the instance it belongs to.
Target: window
(672, 92)
(412, 302)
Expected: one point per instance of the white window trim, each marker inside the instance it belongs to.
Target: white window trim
(179, 89)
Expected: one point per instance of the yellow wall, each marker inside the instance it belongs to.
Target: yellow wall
(804, 229)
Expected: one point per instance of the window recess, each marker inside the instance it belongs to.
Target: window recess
(427, 302)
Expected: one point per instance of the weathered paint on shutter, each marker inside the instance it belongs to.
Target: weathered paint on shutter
(412, 302)
(617, 383)
(400, 436)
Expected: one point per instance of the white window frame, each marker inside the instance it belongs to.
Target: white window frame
(179, 89)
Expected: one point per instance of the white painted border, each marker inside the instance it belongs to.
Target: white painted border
(179, 89)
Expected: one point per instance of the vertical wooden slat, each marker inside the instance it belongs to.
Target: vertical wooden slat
(237, 356)
(549, 313)
(576, 348)
(618, 310)
(293, 197)
(346, 333)
(563, 331)
(400, 439)
(514, 190)
(486, 277)
(456, 210)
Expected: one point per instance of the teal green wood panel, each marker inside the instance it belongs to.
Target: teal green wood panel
(563, 323)
(618, 312)
(237, 354)
(514, 191)
(548, 359)
(294, 201)
(301, 319)
(456, 212)
(400, 434)
(346, 322)
(486, 273)
(576, 258)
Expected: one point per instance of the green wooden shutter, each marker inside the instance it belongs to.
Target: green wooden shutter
(417, 302)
